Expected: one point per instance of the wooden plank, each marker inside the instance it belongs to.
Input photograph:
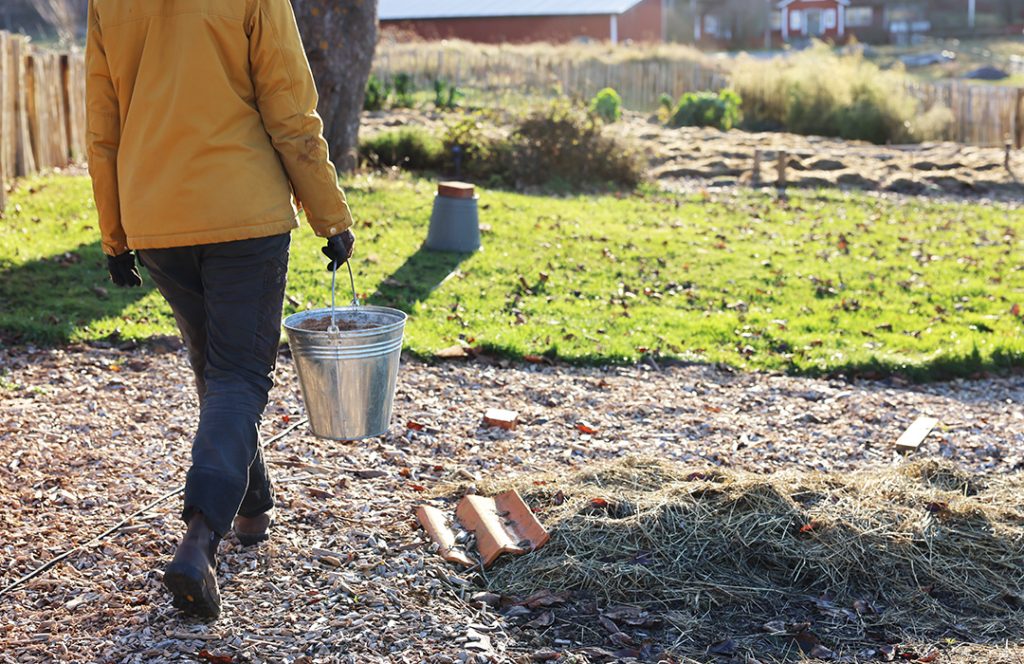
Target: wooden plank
(24, 162)
(5, 130)
(915, 434)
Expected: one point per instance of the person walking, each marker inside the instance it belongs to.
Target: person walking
(201, 125)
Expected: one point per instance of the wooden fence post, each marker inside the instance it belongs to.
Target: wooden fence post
(781, 167)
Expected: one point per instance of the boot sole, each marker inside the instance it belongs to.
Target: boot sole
(191, 591)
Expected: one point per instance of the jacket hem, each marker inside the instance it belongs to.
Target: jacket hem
(188, 239)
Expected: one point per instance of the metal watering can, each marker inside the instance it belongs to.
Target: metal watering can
(347, 369)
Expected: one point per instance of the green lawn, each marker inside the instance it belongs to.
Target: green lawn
(828, 282)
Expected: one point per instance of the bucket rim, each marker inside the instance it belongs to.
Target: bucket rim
(292, 321)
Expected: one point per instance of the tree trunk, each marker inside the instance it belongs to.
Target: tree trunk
(340, 37)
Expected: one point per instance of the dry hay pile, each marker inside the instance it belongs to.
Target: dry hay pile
(910, 554)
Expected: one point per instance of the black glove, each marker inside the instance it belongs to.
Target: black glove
(339, 249)
(123, 271)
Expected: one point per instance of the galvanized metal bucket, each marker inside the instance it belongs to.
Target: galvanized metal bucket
(349, 370)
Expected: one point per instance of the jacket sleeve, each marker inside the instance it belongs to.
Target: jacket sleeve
(286, 97)
(103, 133)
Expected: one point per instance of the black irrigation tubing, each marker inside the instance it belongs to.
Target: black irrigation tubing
(122, 523)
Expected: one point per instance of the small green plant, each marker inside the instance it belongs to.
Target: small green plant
(707, 109)
(470, 150)
(404, 89)
(377, 93)
(607, 105)
(665, 102)
(409, 148)
(446, 96)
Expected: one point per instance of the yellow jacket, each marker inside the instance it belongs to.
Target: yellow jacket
(201, 122)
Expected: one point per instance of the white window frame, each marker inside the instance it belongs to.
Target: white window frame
(860, 17)
(796, 20)
(828, 19)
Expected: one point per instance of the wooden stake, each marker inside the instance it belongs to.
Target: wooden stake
(755, 175)
(916, 433)
(783, 162)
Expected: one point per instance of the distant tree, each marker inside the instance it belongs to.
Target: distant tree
(64, 16)
(340, 37)
(748, 19)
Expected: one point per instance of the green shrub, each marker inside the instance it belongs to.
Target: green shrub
(707, 109)
(820, 92)
(377, 93)
(563, 145)
(476, 150)
(559, 147)
(404, 89)
(607, 105)
(665, 102)
(410, 148)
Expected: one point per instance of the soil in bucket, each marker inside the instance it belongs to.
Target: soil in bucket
(321, 323)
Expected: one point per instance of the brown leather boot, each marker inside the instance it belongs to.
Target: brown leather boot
(192, 574)
(253, 529)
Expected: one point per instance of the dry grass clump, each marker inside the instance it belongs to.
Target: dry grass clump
(820, 92)
(406, 45)
(916, 552)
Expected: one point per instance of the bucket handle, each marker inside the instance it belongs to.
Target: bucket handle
(333, 329)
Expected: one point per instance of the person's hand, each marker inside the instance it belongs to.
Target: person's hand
(123, 271)
(339, 249)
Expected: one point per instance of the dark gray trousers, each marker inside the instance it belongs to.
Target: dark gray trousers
(226, 299)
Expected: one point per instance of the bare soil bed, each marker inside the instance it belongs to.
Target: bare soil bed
(88, 435)
(688, 157)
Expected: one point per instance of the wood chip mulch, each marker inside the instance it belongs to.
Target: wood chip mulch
(88, 435)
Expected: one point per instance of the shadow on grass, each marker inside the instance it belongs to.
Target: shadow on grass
(46, 301)
(413, 282)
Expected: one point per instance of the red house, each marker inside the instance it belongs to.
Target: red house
(518, 21)
(819, 19)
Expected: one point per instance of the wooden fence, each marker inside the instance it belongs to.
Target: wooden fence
(42, 109)
(983, 114)
(640, 81)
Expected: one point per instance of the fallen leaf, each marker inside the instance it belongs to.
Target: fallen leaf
(585, 427)
(821, 652)
(932, 656)
(631, 615)
(609, 625)
(545, 598)
(545, 619)
(863, 607)
(208, 656)
(415, 426)
(726, 648)
(621, 639)
(806, 640)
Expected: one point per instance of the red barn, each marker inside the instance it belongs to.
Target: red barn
(518, 21)
(820, 19)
